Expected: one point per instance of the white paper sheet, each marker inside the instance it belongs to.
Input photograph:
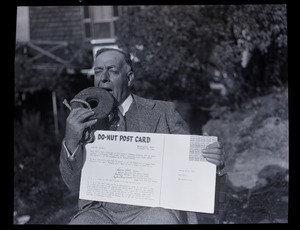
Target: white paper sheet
(155, 170)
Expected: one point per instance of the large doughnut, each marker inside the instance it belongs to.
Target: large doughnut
(99, 100)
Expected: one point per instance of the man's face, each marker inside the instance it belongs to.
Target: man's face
(112, 73)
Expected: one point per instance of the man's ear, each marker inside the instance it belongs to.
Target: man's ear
(130, 78)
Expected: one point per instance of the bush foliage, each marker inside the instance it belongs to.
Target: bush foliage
(181, 49)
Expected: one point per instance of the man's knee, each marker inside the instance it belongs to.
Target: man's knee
(90, 217)
(157, 216)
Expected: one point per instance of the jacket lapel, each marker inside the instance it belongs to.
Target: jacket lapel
(148, 119)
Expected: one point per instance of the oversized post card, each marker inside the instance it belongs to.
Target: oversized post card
(149, 169)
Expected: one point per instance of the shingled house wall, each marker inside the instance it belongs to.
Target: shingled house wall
(56, 23)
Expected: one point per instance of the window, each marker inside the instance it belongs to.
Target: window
(100, 21)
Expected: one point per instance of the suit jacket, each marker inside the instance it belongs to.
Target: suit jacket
(153, 116)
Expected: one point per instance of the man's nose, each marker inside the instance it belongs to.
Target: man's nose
(104, 76)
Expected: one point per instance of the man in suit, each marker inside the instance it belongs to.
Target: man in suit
(114, 73)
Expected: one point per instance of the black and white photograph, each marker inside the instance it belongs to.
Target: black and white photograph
(151, 115)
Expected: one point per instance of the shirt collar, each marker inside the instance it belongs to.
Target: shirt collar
(124, 107)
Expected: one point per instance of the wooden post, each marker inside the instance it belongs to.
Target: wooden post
(55, 113)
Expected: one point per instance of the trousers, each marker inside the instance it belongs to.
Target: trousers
(101, 213)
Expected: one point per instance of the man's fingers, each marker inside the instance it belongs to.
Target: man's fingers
(213, 156)
(78, 110)
(89, 123)
(78, 117)
(212, 151)
(80, 114)
(216, 144)
(84, 115)
(214, 161)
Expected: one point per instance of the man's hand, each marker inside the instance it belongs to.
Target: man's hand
(214, 153)
(76, 123)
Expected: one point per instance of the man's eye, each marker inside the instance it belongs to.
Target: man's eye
(98, 71)
(113, 70)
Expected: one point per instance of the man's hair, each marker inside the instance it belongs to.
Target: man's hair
(125, 54)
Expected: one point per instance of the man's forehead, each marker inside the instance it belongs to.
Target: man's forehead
(111, 55)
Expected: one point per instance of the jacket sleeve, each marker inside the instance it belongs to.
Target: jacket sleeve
(71, 169)
(170, 121)
(176, 123)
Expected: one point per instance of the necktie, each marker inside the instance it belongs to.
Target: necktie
(117, 121)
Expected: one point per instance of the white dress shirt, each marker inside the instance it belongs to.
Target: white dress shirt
(124, 107)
